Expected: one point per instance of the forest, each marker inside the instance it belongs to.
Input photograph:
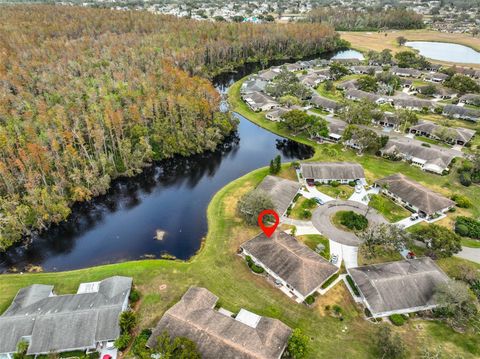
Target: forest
(366, 20)
(88, 95)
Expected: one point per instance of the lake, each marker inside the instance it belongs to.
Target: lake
(348, 54)
(444, 51)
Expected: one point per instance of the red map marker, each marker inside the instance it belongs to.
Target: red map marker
(268, 230)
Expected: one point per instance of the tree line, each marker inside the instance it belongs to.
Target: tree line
(88, 95)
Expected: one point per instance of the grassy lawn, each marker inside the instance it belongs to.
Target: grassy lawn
(312, 240)
(341, 192)
(432, 141)
(389, 209)
(380, 258)
(377, 41)
(301, 205)
(472, 243)
(335, 94)
(341, 220)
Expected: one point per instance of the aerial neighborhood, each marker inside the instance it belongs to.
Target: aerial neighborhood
(240, 180)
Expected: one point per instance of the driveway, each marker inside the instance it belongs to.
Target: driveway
(321, 220)
(361, 197)
(471, 254)
(314, 192)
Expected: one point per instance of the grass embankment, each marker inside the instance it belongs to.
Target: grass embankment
(377, 41)
(389, 209)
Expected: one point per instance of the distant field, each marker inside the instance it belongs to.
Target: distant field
(378, 41)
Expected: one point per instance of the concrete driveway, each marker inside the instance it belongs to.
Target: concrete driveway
(321, 220)
(471, 254)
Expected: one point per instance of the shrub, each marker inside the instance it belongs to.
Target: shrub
(297, 346)
(426, 145)
(128, 320)
(462, 201)
(334, 183)
(310, 300)
(353, 286)
(310, 203)
(353, 220)
(465, 179)
(139, 344)
(467, 227)
(254, 268)
(337, 309)
(122, 342)
(306, 214)
(330, 280)
(352, 184)
(134, 296)
(397, 319)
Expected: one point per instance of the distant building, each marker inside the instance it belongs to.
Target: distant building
(258, 101)
(325, 103)
(406, 72)
(325, 172)
(290, 262)
(470, 99)
(356, 95)
(461, 112)
(219, 335)
(401, 287)
(435, 77)
(414, 196)
(412, 104)
(455, 135)
(50, 323)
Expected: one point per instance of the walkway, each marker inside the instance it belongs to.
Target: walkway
(322, 220)
(471, 254)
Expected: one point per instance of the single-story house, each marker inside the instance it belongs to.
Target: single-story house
(470, 99)
(290, 262)
(411, 103)
(259, 101)
(269, 74)
(354, 94)
(406, 83)
(336, 128)
(440, 92)
(347, 85)
(429, 159)
(276, 114)
(217, 334)
(325, 103)
(366, 69)
(461, 112)
(388, 119)
(402, 287)
(253, 84)
(414, 196)
(348, 62)
(311, 80)
(281, 191)
(435, 77)
(456, 135)
(405, 72)
(50, 323)
(325, 172)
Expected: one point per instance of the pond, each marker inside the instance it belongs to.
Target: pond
(445, 51)
(348, 54)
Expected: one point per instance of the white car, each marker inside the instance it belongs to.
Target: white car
(358, 188)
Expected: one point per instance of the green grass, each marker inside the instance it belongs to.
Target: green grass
(432, 141)
(341, 192)
(472, 243)
(334, 94)
(312, 240)
(301, 205)
(389, 209)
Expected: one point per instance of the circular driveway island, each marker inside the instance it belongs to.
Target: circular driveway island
(322, 220)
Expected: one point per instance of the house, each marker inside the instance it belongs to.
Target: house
(356, 95)
(430, 159)
(438, 77)
(367, 69)
(50, 323)
(325, 103)
(291, 263)
(402, 287)
(312, 80)
(455, 135)
(413, 196)
(347, 85)
(217, 334)
(258, 101)
(462, 112)
(439, 93)
(336, 128)
(348, 62)
(406, 83)
(254, 84)
(389, 120)
(270, 74)
(276, 114)
(470, 99)
(325, 172)
(405, 72)
(411, 103)
(281, 191)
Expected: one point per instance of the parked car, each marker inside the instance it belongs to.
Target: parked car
(414, 217)
(358, 188)
(319, 200)
(310, 182)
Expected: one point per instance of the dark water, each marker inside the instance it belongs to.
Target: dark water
(171, 196)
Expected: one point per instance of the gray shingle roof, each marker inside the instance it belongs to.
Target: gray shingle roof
(332, 170)
(281, 191)
(414, 193)
(291, 260)
(64, 322)
(398, 285)
(326, 103)
(463, 112)
(457, 133)
(218, 335)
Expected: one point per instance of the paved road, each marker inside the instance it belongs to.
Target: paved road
(471, 254)
(322, 220)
